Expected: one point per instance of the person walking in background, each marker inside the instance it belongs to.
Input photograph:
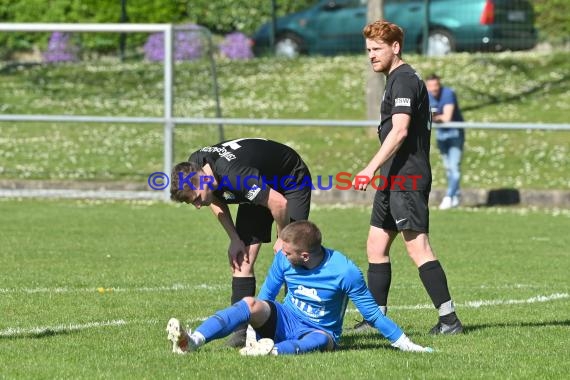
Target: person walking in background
(450, 141)
(405, 132)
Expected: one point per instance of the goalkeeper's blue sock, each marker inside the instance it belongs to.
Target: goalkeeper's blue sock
(224, 322)
(310, 342)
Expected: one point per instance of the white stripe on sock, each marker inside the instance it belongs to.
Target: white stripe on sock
(446, 308)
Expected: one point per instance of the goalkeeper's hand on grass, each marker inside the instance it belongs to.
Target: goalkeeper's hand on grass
(405, 344)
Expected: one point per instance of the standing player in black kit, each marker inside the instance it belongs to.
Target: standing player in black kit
(404, 131)
(270, 182)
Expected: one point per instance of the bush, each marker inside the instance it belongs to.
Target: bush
(221, 17)
(236, 46)
(85, 11)
(240, 15)
(61, 48)
(553, 19)
(188, 45)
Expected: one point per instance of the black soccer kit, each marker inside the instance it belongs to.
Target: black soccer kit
(245, 170)
(403, 203)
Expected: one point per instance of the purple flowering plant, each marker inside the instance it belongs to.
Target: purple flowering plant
(236, 45)
(188, 45)
(61, 48)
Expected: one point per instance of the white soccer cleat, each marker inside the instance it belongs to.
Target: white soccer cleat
(181, 341)
(260, 348)
(250, 336)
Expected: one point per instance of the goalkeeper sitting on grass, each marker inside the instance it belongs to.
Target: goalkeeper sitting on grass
(319, 281)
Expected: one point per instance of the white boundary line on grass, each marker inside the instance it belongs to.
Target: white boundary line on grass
(82, 194)
(64, 289)
(18, 331)
(207, 287)
(481, 303)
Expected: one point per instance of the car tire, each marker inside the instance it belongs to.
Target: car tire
(288, 45)
(440, 42)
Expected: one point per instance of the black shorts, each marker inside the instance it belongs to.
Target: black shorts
(254, 223)
(268, 329)
(401, 210)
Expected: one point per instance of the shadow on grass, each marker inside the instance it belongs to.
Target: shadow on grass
(364, 341)
(501, 197)
(44, 333)
(15, 66)
(473, 328)
(552, 85)
(372, 340)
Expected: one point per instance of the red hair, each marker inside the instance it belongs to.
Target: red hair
(384, 31)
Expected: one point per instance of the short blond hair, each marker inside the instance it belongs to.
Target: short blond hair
(303, 236)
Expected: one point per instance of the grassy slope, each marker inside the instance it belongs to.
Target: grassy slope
(517, 87)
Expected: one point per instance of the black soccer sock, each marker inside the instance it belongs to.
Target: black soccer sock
(379, 279)
(434, 280)
(242, 287)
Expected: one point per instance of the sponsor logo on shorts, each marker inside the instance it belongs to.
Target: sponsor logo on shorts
(252, 193)
(228, 196)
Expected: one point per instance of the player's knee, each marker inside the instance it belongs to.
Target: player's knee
(421, 256)
(255, 306)
(324, 341)
(377, 247)
(250, 301)
(260, 312)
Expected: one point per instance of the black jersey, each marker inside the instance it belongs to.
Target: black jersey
(247, 168)
(406, 93)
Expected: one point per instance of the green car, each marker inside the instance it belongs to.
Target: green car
(335, 27)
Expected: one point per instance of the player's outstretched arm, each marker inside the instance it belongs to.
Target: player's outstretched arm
(365, 303)
(274, 279)
(389, 147)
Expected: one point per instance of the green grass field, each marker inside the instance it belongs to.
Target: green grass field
(511, 87)
(507, 269)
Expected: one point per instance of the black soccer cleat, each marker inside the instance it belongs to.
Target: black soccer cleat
(444, 329)
(237, 338)
(363, 327)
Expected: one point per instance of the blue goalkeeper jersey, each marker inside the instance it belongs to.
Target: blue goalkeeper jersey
(319, 296)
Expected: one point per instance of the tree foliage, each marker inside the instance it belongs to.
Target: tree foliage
(220, 16)
(84, 11)
(553, 19)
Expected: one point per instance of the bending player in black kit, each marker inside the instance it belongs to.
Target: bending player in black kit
(270, 182)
